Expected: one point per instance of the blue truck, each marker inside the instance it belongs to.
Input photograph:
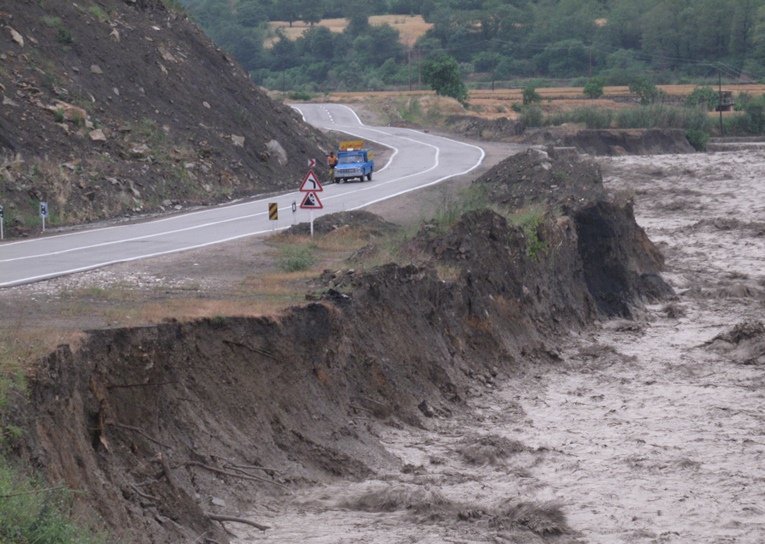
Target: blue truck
(353, 161)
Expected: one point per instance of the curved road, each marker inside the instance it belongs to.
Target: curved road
(418, 160)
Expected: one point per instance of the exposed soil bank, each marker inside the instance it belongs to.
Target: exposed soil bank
(611, 142)
(159, 425)
(665, 417)
(591, 141)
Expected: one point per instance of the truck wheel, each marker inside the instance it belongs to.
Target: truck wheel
(369, 176)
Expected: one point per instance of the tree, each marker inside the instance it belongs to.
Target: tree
(289, 9)
(251, 14)
(442, 73)
(317, 43)
(645, 90)
(377, 45)
(705, 97)
(565, 58)
(530, 95)
(666, 33)
(311, 11)
(358, 22)
(283, 52)
(742, 26)
(594, 88)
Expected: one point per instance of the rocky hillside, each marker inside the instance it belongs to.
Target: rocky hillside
(119, 107)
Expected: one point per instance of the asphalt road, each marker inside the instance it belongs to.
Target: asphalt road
(418, 159)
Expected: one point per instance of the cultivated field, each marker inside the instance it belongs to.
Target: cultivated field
(410, 27)
(492, 104)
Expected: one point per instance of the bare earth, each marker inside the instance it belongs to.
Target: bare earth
(644, 432)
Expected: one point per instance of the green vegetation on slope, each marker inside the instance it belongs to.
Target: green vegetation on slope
(31, 513)
(618, 40)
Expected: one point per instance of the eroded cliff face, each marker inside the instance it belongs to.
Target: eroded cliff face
(160, 424)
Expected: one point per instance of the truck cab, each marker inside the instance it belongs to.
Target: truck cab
(353, 161)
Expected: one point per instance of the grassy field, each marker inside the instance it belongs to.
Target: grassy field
(410, 27)
(499, 103)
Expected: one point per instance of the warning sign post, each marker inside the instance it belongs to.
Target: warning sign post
(311, 183)
(311, 202)
(311, 187)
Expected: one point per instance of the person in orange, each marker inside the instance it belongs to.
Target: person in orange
(331, 163)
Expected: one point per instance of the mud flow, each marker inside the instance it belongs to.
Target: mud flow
(643, 431)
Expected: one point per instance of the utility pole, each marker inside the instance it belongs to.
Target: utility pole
(409, 66)
(720, 102)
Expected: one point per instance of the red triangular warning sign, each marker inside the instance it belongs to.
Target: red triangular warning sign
(311, 201)
(311, 183)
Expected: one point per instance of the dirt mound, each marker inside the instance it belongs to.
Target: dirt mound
(369, 224)
(124, 107)
(743, 344)
(543, 176)
(618, 260)
(615, 141)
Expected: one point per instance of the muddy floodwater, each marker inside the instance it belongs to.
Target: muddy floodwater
(645, 431)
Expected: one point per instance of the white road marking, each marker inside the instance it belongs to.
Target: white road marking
(241, 217)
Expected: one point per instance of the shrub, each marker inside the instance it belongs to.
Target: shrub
(530, 95)
(594, 87)
(52, 21)
(472, 198)
(410, 110)
(531, 116)
(32, 513)
(736, 125)
(645, 91)
(742, 100)
(529, 221)
(755, 114)
(593, 118)
(661, 116)
(98, 13)
(64, 36)
(299, 95)
(705, 97)
(698, 139)
(751, 120)
(295, 258)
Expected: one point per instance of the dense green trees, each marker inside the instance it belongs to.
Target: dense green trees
(617, 40)
(442, 73)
